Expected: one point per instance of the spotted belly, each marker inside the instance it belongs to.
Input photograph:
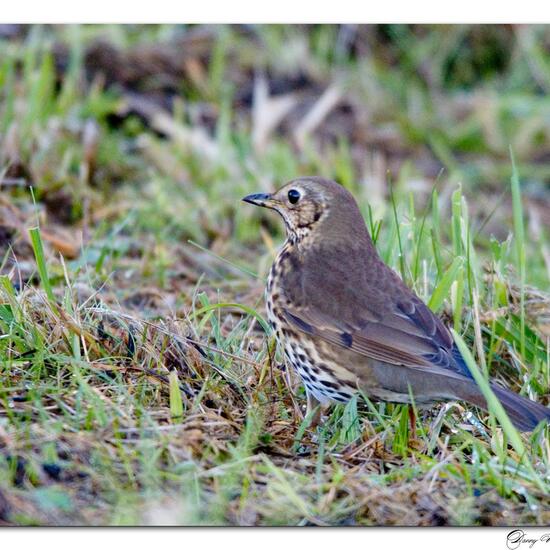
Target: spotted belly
(317, 373)
(318, 377)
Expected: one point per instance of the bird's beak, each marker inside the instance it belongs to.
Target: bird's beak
(259, 199)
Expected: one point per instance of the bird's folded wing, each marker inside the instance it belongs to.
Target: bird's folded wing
(406, 335)
(353, 300)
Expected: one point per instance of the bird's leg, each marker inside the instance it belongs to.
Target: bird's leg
(312, 404)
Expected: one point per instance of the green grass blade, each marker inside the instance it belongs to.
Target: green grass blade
(176, 402)
(246, 309)
(38, 249)
(520, 243)
(456, 227)
(444, 286)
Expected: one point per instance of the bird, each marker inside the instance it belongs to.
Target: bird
(348, 324)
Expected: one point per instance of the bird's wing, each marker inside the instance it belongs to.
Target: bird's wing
(371, 313)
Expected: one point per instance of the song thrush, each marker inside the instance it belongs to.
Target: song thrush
(346, 321)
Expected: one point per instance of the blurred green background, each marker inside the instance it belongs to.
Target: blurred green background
(222, 109)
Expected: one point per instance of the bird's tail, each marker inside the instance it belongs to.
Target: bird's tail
(524, 413)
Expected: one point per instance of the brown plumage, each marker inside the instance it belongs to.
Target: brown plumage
(347, 322)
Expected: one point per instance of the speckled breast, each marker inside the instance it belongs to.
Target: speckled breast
(316, 371)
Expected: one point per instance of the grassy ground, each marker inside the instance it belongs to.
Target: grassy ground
(139, 383)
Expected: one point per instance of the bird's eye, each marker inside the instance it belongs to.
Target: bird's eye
(293, 196)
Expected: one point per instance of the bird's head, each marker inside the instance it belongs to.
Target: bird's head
(310, 203)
